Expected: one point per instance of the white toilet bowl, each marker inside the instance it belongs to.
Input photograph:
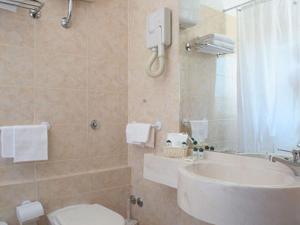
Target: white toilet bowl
(85, 214)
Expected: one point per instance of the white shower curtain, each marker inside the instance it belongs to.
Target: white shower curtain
(269, 76)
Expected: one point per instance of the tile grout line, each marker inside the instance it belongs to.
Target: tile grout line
(34, 97)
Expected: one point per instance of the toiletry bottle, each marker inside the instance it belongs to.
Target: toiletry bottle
(169, 143)
(195, 154)
(200, 153)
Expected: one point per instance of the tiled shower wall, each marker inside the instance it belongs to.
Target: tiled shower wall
(67, 77)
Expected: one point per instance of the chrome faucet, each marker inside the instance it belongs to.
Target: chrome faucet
(295, 153)
(294, 163)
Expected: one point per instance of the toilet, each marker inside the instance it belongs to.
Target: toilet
(87, 214)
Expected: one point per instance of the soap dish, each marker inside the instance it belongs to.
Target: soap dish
(175, 152)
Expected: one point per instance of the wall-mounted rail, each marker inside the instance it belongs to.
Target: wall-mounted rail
(34, 6)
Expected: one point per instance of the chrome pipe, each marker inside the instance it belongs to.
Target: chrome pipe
(245, 4)
(238, 6)
(66, 21)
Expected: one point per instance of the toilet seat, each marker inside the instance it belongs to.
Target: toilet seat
(85, 214)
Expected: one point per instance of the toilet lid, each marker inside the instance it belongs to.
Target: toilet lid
(86, 214)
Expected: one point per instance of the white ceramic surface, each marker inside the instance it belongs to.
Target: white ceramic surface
(163, 170)
(228, 189)
(235, 190)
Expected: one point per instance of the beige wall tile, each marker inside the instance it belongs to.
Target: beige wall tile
(107, 141)
(9, 215)
(111, 178)
(16, 105)
(12, 195)
(108, 37)
(109, 109)
(46, 170)
(16, 66)
(16, 31)
(107, 75)
(61, 106)
(67, 142)
(104, 162)
(51, 37)
(16, 173)
(64, 187)
(61, 71)
(56, 169)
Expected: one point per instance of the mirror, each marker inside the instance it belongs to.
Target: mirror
(240, 72)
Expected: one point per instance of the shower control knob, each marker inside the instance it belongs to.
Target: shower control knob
(94, 124)
(140, 202)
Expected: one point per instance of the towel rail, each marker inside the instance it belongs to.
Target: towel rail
(34, 6)
(42, 123)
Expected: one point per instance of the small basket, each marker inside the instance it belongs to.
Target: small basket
(175, 152)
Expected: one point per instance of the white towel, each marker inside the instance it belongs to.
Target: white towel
(217, 37)
(177, 139)
(220, 44)
(7, 142)
(31, 143)
(199, 130)
(138, 133)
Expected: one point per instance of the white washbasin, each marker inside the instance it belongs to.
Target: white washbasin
(231, 175)
(235, 190)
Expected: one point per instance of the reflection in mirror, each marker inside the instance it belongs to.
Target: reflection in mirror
(240, 71)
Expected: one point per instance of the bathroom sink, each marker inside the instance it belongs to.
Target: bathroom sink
(237, 190)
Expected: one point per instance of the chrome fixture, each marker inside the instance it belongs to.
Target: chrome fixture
(295, 153)
(136, 200)
(199, 47)
(140, 202)
(34, 6)
(295, 162)
(132, 199)
(66, 21)
(188, 47)
(94, 124)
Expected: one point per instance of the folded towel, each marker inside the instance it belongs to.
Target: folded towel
(218, 37)
(214, 50)
(31, 143)
(177, 139)
(220, 44)
(7, 142)
(138, 133)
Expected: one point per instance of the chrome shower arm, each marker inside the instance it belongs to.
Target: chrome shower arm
(66, 21)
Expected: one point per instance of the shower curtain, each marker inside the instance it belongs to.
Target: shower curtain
(269, 76)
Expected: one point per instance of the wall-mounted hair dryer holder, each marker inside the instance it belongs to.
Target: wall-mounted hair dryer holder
(159, 37)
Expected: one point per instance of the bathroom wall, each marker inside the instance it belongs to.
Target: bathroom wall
(68, 78)
(209, 83)
(151, 99)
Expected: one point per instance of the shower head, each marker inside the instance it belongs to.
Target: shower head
(66, 21)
